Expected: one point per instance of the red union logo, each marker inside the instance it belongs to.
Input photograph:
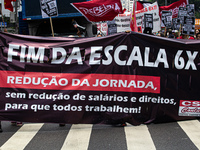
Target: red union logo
(188, 103)
(101, 10)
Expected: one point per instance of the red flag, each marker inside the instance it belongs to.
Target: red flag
(8, 5)
(141, 5)
(99, 10)
(133, 24)
(174, 7)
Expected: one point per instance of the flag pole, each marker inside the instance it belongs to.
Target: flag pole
(2, 16)
(135, 5)
(133, 17)
(98, 29)
(51, 27)
(16, 12)
(179, 33)
(101, 32)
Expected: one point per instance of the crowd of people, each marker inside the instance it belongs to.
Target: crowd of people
(169, 33)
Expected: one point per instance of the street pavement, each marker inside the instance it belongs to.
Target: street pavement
(181, 135)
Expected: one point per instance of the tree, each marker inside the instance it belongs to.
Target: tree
(195, 2)
(197, 7)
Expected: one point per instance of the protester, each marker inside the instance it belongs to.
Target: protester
(196, 31)
(79, 33)
(162, 34)
(19, 124)
(185, 36)
(171, 35)
(99, 35)
(191, 37)
(80, 29)
(148, 31)
(5, 30)
(176, 33)
(198, 36)
(158, 33)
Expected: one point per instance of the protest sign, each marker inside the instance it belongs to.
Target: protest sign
(151, 9)
(182, 12)
(49, 8)
(190, 10)
(189, 25)
(148, 21)
(175, 24)
(167, 18)
(121, 23)
(112, 27)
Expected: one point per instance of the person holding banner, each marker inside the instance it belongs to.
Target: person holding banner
(198, 36)
(5, 30)
(19, 124)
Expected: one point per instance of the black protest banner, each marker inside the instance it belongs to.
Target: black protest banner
(132, 77)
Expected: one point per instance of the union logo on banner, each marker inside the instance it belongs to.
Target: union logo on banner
(189, 108)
